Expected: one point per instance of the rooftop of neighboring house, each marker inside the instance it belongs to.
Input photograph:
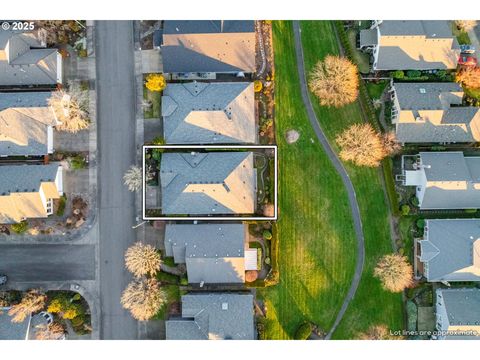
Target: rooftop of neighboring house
(209, 113)
(213, 316)
(10, 330)
(24, 60)
(221, 46)
(25, 118)
(462, 307)
(452, 180)
(451, 248)
(25, 188)
(214, 253)
(432, 112)
(413, 44)
(208, 183)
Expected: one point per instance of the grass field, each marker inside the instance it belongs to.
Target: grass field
(371, 305)
(317, 243)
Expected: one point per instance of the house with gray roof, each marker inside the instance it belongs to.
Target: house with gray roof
(25, 60)
(208, 183)
(10, 330)
(458, 314)
(209, 113)
(213, 316)
(208, 46)
(450, 250)
(26, 124)
(28, 191)
(411, 45)
(213, 253)
(444, 180)
(433, 113)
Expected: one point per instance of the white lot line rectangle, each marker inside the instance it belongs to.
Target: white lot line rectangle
(219, 218)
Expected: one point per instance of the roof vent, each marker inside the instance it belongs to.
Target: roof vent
(224, 306)
(422, 91)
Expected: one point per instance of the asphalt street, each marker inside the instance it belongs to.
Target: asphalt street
(116, 149)
(30, 263)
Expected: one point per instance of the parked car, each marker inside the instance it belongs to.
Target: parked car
(3, 279)
(467, 49)
(467, 60)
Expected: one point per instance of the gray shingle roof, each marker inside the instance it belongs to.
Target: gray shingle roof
(25, 61)
(25, 178)
(10, 330)
(451, 249)
(453, 181)
(462, 305)
(416, 45)
(201, 113)
(208, 183)
(426, 114)
(213, 316)
(214, 253)
(208, 46)
(24, 121)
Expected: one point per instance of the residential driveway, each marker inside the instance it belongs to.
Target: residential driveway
(116, 144)
(32, 263)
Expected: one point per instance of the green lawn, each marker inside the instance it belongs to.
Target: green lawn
(317, 243)
(362, 59)
(375, 90)
(462, 36)
(371, 305)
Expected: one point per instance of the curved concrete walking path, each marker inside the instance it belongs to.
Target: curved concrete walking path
(341, 171)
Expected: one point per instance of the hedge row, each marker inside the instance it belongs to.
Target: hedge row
(364, 98)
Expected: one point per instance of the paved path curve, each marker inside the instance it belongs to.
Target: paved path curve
(352, 198)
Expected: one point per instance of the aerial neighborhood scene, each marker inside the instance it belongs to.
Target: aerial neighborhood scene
(239, 180)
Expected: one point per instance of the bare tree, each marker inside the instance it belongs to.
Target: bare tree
(144, 298)
(52, 331)
(465, 25)
(390, 143)
(394, 272)
(142, 259)
(362, 145)
(378, 332)
(133, 178)
(334, 81)
(469, 77)
(71, 108)
(32, 301)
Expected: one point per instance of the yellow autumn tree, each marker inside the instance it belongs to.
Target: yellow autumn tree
(155, 82)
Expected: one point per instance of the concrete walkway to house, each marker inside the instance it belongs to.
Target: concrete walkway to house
(341, 171)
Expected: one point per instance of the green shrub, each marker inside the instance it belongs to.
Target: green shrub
(61, 205)
(20, 227)
(398, 74)
(420, 224)
(304, 331)
(414, 201)
(441, 74)
(184, 281)
(78, 162)
(267, 235)
(76, 297)
(470, 211)
(267, 260)
(405, 210)
(414, 73)
(159, 140)
(78, 321)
